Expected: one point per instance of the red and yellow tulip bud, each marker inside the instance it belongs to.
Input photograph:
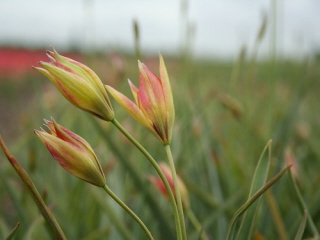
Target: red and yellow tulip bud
(157, 182)
(72, 152)
(78, 84)
(154, 107)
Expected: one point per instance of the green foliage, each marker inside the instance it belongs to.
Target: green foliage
(225, 115)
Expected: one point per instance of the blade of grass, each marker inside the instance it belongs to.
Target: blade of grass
(259, 179)
(302, 226)
(36, 224)
(213, 177)
(13, 232)
(283, 235)
(246, 205)
(14, 198)
(303, 207)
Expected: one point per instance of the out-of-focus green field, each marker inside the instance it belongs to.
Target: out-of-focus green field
(225, 115)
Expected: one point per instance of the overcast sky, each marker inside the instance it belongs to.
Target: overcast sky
(220, 27)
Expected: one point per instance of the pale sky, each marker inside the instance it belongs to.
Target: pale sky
(220, 27)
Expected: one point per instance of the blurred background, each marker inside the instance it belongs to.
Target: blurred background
(213, 29)
(242, 72)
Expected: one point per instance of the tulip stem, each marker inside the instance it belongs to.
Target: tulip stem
(160, 173)
(128, 210)
(177, 191)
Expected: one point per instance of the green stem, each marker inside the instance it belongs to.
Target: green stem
(177, 191)
(197, 225)
(128, 210)
(160, 173)
(303, 207)
(45, 211)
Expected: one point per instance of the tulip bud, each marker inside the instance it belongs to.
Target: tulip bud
(78, 84)
(157, 182)
(72, 152)
(154, 107)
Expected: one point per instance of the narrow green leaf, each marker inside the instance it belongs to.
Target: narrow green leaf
(303, 208)
(14, 198)
(13, 232)
(302, 226)
(34, 226)
(276, 216)
(46, 213)
(244, 207)
(259, 179)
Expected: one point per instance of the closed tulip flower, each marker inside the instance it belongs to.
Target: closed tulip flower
(158, 183)
(154, 106)
(78, 84)
(72, 152)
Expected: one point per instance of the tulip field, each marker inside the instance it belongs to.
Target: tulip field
(243, 136)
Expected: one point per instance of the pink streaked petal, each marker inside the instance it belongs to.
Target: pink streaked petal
(73, 87)
(67, 136)
(67, 93)
(152, 111)
(64, 67)
(81, 70)
(78, 68)
(144, 70)
(153, 89)
(81, 144)
(152, 83)
(51, 127)
(130, 107)
(88, 74)
(50, 55)
(86, 100)
(55, 54)
(55, 81)
(47, 74)
(86, 152)
(71, 65)
(167, 92)
(75, 162)
(74, 139)
(39, 134)
(134, 90)
(80, 165)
